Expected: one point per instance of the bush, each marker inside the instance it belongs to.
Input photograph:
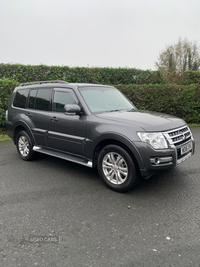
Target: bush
(178, 100)
(190, 77)
(6, 88)
(185, 78)
(29, 73)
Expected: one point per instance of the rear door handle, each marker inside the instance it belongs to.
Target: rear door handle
(28, 114)
(54, 119)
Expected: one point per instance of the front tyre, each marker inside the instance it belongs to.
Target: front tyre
(24, 146)
(117, 168)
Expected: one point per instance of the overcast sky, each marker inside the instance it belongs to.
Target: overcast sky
(94, 33)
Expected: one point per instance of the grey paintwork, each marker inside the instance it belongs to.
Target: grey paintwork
(81, 134)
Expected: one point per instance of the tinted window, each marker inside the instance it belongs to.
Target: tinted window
(42, 101)
(32, 96)
(20, 98)
(61, 99)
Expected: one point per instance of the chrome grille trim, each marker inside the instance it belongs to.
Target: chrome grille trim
(178, 136)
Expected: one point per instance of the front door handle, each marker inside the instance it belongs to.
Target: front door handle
(54, 119)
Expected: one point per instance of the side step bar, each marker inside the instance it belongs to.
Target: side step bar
(64, 156)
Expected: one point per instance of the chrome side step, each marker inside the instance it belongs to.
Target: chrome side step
(64, 156)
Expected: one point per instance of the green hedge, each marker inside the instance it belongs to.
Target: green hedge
(190, 77)
(6, 88)
(29, 73)
(185, 78)
(178, 100)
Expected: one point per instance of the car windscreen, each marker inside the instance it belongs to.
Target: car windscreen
(105, 99)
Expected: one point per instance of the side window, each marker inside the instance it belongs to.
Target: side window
(32, 96)
(20, 98)
(42, 101)
(62, 98)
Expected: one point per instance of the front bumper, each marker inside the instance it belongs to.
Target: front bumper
(156, 160)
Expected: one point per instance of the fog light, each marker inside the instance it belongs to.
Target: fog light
(160, 160)
(157, 160)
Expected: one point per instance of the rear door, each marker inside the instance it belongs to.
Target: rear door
(38, 110)
(66, 132)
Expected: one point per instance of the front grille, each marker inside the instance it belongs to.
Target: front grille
(179, 137)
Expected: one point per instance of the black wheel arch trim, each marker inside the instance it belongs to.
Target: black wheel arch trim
(26, 128)
(92, 146)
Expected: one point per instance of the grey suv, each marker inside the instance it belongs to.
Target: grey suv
(96, 126)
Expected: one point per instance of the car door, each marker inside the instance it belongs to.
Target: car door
(38, 109)
(66, 132)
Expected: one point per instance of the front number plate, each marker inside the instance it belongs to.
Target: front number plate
(186, 148)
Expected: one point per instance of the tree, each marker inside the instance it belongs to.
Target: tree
(181, 56)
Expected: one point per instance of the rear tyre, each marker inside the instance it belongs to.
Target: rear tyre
(24, 146)
(117, 168)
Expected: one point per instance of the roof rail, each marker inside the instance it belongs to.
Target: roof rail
(41, 82)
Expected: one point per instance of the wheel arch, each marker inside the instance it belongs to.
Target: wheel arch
(122, 142)
(21, 126)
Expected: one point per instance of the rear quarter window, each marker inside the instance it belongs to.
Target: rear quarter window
(21, 98)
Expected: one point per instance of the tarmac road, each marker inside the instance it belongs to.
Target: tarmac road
(56, 213)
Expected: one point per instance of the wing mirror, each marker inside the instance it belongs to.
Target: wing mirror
(72, 109)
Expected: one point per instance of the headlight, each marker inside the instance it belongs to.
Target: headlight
(156, 140)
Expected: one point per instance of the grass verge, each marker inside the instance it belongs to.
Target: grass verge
(193, 125)
(4, 137)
